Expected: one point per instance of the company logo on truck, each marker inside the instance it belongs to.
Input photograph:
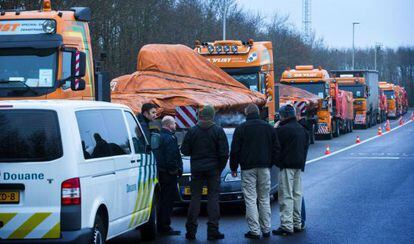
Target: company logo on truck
(21, 176)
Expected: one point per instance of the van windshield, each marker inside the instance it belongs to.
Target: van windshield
(29, 135)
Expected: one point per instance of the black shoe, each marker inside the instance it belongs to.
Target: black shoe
(215, 236)
(250, 235)
(190, 236)
(281, 232)
(266, 234)
(169, 232)
(297, 230)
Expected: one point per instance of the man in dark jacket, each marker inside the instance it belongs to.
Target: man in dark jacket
(206, 144)
(170, 167)
(255, 147)
(148, 114)
(294, 146)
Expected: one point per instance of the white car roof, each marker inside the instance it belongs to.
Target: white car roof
(59, 104)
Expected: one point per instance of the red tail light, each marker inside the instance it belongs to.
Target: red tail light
(71, 192)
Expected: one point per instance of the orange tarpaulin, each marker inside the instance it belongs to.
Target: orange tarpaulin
(174, 75)
(291, 94)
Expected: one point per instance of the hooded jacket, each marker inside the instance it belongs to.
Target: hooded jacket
(294, 144)
(144, 122)
(206, 144)
(255, 145)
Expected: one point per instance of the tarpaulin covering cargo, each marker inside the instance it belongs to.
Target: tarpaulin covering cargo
(290, 94)
(174, 75)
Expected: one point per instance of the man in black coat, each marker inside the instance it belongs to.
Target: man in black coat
(147, 115)
(170, 167)
(207, 145)
(294, 142)
(255, 147)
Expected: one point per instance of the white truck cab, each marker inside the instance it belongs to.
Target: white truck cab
(74, 171)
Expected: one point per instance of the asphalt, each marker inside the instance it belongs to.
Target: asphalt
(364, 194)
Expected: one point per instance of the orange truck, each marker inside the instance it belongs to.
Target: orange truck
(364, 86)
(46, 54)
(250, 63)
(392, 93)
(334, 117)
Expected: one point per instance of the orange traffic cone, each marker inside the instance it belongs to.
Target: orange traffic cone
(327, 151)
(401, 120)
(358, 140)
(379, 131)
(387, 126)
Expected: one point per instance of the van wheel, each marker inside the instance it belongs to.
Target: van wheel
(99, 231)
(149, 229)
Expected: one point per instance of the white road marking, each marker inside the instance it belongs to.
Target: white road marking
(355, 145)
(384, 158)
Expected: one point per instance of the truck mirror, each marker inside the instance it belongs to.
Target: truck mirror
(78, 64)
(77, 84)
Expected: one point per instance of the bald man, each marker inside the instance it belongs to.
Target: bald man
(170, 167)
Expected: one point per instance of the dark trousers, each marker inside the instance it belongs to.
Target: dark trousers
(303, 214)
(168, 193)
(213, 208)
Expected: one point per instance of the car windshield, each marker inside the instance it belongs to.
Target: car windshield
(27, 67)
(357, 91)
(314, 88)
(29, 135)
(390, 94)
(251, 81)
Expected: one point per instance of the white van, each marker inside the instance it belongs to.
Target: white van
(74, 171)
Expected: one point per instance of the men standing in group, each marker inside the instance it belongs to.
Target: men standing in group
(294, 144)
(170, 168)
(255, 147)
(147, 115)
(206, 144)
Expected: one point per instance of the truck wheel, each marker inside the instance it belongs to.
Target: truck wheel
(149, 229)
(99, 231)
(335, 129)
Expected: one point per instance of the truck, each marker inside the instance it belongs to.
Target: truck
(333, 116)
(364, 86)
(47, 54)
(250, 63)
(391, 92)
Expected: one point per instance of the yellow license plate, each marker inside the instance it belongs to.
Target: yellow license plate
(9, 197)
(187, 191)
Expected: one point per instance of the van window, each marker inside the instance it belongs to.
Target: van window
(103, 133)
(136, 133)
(28, 135)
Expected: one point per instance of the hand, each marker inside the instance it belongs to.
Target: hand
(234, 173)
(277, 124)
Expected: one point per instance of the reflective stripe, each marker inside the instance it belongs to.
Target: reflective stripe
(54, 232)
(28, 226)
(6, 217)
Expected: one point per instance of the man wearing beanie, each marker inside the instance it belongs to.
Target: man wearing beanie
(206, 144)
(255, 147)
(294, 143)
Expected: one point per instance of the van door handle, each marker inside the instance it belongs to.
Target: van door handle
(139, 160)
(133, 161)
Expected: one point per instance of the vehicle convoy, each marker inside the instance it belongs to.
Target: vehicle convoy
(364, 86)
(250, 63)
(391, 93)
(333, 114)
(47, 54)
(74, 171)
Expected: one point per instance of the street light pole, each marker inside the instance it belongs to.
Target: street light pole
(224, 22)
(353, 44)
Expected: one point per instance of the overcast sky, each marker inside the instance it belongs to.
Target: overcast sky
(390, 22)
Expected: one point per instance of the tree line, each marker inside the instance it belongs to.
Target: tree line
(119, 28)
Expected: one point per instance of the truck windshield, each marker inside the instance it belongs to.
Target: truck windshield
(29, 135)
(390, 94)
(315, 88)
(251, 81)
(357, 91)
(33, 67)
